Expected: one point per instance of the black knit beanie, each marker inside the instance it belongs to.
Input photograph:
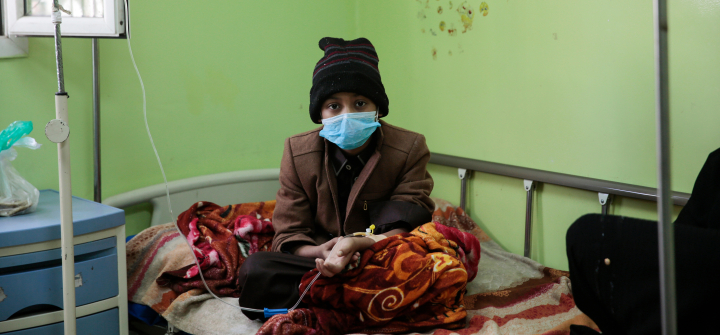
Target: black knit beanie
(348, 66)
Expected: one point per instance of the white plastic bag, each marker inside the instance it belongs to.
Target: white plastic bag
(17, 195)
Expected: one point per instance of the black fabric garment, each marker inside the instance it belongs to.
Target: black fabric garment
(624, 296)
(582, 330)
(271, 279)
(389, 215)
(703, 208)
(347, 170)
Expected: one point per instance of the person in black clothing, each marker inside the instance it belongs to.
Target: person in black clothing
(614, 265)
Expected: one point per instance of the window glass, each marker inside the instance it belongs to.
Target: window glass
(78, 8)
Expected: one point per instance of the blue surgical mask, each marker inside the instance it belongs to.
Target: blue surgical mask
(350, 130)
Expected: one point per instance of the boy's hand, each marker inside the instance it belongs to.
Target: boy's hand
(325, 248)
(347, 250)
(323, 251)
(316, 251)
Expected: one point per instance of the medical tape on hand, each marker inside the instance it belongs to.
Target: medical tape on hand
(376, 238)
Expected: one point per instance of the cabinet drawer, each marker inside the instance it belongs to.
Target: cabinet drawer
(103, 323)
(16, 263)
(38, 287)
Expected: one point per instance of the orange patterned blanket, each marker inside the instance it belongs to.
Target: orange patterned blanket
(407, 282)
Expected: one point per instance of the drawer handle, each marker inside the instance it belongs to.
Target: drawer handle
(34, 309)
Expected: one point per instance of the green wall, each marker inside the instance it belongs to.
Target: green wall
(565, 86)
(225, 85)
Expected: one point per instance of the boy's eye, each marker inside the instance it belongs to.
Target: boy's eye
(361, 103)
(333, 106)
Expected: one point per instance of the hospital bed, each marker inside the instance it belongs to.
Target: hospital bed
(507, 285)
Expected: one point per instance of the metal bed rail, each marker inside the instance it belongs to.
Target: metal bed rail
(664, 196)
(606, 189)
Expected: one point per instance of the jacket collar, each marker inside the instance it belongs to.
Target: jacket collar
(339, 159)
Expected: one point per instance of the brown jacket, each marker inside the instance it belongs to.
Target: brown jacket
(307, 210)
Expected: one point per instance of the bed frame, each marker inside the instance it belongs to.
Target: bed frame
(262, 185)
(221, 188)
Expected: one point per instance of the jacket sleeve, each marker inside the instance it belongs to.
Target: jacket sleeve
(293, 217)
(410, 205)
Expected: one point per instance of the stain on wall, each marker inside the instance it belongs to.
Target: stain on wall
(466, 16)
(449, 20)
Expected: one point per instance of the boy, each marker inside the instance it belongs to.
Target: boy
(353, 172)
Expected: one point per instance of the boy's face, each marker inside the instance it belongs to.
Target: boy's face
(346, 102)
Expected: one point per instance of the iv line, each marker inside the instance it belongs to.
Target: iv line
(267, 312)
(167, 190)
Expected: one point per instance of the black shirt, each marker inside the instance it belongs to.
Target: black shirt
(347, 170)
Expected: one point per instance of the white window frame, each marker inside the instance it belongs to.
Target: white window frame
(107, 26)
(10, 46)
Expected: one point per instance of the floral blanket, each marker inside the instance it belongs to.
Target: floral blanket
(162, 273)
(222, 238)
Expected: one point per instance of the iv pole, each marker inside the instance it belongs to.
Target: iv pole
(666, 230)
(57, 131)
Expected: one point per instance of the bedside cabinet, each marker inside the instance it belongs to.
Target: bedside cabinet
(31, 271)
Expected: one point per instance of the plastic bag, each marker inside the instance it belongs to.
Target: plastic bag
(17, 195)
